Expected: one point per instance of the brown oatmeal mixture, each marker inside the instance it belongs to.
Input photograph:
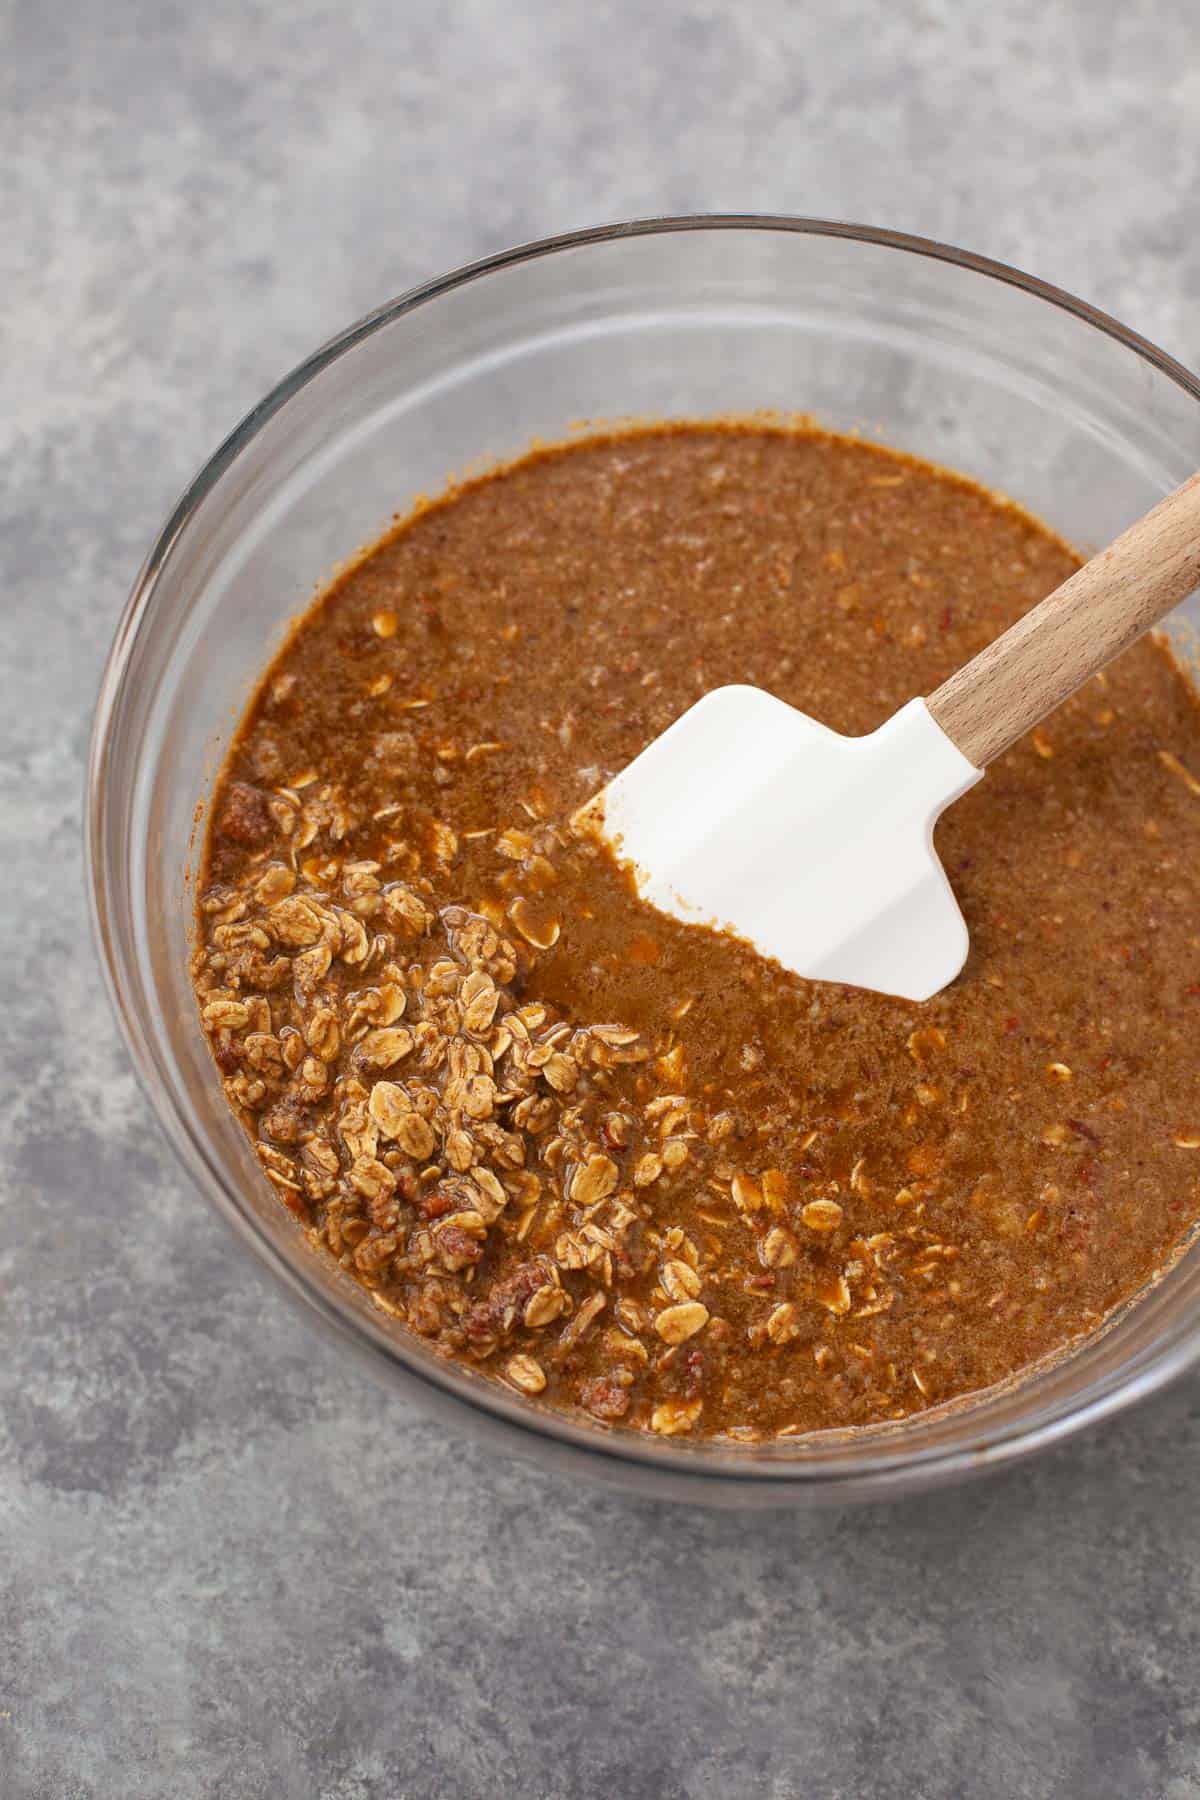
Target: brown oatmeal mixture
(627, 1164)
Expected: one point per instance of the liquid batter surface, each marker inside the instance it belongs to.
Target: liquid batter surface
(627, 1164)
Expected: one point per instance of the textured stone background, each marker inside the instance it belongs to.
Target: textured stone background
(228, 1566)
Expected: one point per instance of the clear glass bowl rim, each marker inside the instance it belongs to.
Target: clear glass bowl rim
(887, 1466)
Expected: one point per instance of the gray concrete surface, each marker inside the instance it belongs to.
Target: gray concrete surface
(228, 1565)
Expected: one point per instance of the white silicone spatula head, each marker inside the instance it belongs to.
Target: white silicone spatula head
(818, 849)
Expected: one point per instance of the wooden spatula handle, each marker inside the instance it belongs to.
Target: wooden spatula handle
(1096, 613)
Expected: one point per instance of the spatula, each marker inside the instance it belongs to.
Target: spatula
(818, 849)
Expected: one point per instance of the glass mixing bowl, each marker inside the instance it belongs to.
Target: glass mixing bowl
(955, 358)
